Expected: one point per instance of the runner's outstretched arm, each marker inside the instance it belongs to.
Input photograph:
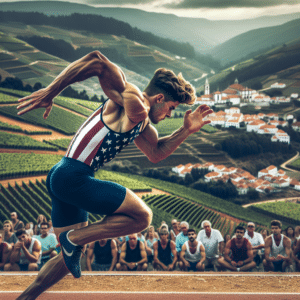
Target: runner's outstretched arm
(157, 149)
(111, 78)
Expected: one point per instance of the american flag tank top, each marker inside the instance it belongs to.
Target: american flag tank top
(95, 144)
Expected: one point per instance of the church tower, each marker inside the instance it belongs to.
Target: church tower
(206, 87)
(236, 81)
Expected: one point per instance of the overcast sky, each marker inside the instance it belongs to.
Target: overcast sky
(209, 9)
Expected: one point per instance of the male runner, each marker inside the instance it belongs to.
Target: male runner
(125, 117)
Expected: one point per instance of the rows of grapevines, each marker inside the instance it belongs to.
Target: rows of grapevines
(73, 106)
(16, 141)
(59, 119)
(188, 211)
(26, 164)
(62, 144)
(227, 207)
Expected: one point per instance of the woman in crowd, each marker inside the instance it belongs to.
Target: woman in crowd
(29, 228)
(150, 239)
(9, 235)
(290, 233)
(41, 219)
(175, 229)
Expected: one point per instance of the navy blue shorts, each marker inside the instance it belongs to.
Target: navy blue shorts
(75, 192)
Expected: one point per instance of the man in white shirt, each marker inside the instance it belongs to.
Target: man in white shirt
(192, 255)
(48, 242)
(256, 241)
(213, 243)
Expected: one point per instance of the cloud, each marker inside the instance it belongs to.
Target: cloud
(118, 2)
(193, 4)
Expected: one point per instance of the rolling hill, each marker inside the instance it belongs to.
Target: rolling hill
(280, 64)
(201, 33)
(256, 40)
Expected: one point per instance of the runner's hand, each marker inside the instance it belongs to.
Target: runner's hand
(193, 121)
(40, 98)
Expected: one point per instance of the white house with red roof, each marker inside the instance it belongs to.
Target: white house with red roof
(296, 126)
(281, 136)
(295, 184)
(255, 125)
(267, 129)
(232, 123)
(272, 170)
(232, 110)
(212, 175)
(278, 85)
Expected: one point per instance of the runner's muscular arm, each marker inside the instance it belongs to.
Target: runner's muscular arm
(157, 149)
(111, 78)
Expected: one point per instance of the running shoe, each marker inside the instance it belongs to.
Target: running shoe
(71, 254)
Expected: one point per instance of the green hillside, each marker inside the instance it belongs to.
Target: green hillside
(256, 40)
(280, 64)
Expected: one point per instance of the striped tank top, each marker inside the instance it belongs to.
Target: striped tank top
(96, 144)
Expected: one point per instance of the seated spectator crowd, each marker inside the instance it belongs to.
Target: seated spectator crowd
(28, 248)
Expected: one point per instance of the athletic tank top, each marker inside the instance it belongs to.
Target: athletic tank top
(96, 144)
(192, 257)
(133, 255)
(275, 250)
(164, 255)
(103, 254)
(239, 254)
(23, 259)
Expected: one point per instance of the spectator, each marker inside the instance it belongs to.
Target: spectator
(120, 241)
(241, 253)
(277, 250)
(175, 229)
(105, 254)
(213, 243)
(17, 224)
(192, 255)
(297, 232)
(40, 219)
(165, 254)
(150, 240)
(48, 242)
(226, 239)
(26, 254)
(29, 229)
(256, 240)
(182, 237)
(9, 235)
(140, 237)
(133, 255)
(290, 233)
(296, 256)
(5, 250)
(51, 229)
(265, 233)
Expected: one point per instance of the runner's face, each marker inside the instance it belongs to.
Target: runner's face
(161, 110)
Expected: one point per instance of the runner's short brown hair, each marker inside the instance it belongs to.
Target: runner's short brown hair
(174, 88)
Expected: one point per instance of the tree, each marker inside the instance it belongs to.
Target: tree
(37, 86)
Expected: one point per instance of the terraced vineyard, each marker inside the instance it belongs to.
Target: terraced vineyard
(16, 141)
(59, 119)
(286, 211)
(26, 164)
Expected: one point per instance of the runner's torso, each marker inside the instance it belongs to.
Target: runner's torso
(96, 144)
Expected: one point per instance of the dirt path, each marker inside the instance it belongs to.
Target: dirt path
(283, 166)
(25, 126)
(274, 200)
